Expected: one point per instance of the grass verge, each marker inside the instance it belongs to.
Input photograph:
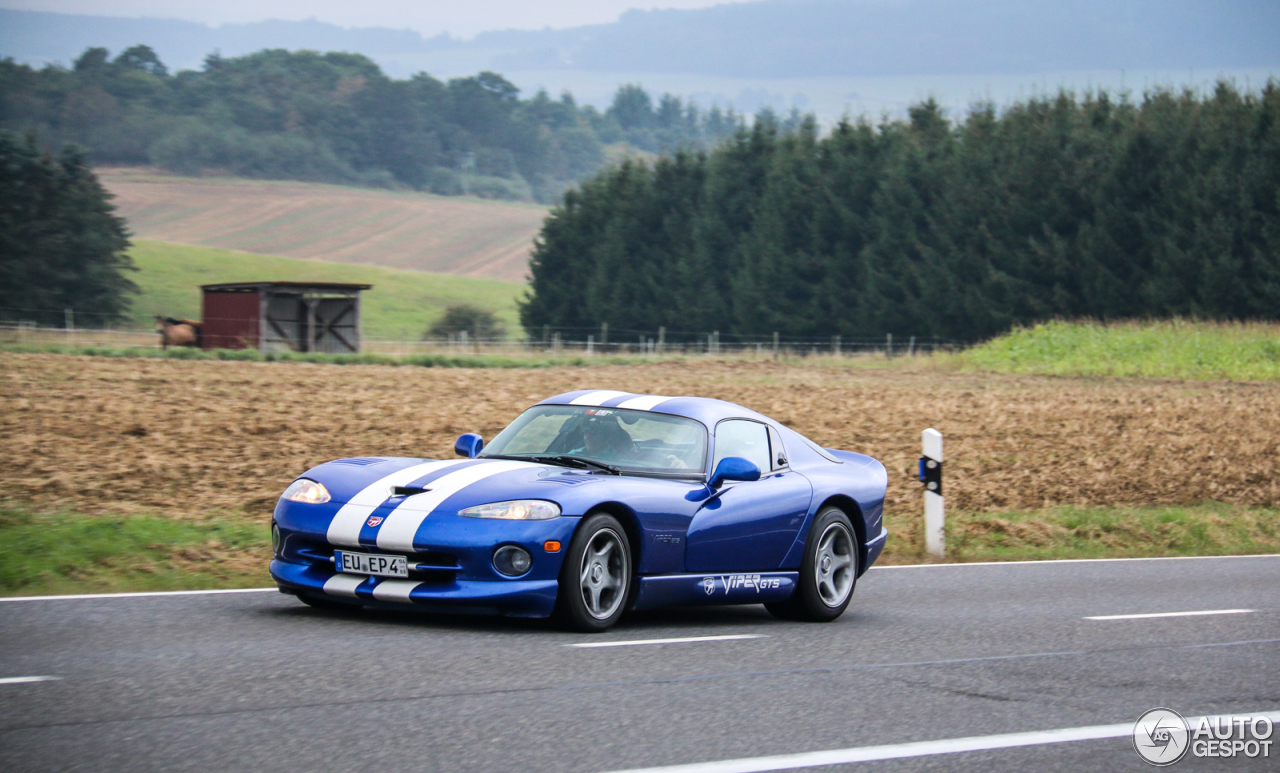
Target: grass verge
(1162, 349)
(1207, 529)
(66, 553)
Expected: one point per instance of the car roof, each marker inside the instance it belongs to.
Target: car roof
(703, 409)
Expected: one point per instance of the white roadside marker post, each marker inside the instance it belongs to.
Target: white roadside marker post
(931, 477)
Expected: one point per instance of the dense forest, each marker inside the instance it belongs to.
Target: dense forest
(1060, 206)
(61, 244)
(336, 117)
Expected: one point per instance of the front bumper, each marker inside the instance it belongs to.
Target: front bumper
(451, 568)
(515, 598)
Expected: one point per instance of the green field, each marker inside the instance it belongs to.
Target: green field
(1153, 349)
(401, 305)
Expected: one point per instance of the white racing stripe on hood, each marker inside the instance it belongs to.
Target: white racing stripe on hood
(395, 590)
(345, 528)
(398, 530)
(643, 403)
(596, 398)
(343, 585)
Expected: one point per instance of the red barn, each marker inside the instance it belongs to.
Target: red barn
(283, 316)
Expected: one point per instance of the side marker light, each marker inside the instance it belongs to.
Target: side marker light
(552, 546)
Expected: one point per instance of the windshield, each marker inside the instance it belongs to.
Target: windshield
(638, 441)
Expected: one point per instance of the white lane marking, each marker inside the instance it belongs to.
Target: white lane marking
(138, 595)
(394, 590)
(1173, 614)
(346, 524)
(668, 641)
(917, 749)
(343, 585)
(595, 398)
(1066, 561)
(402, 524)
(644, 402)
(25, 679)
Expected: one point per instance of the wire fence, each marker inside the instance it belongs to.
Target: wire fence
(553, 341)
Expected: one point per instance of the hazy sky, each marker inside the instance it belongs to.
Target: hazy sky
(461, 18)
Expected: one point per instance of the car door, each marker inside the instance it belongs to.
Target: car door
(749, 526)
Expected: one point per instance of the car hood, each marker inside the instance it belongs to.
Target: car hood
(451, 484)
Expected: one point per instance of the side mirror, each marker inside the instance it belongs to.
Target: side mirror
(468, 445)
(734, 468)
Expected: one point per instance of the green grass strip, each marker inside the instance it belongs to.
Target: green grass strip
(1208, 529)
(68, 553)
(1181, 349)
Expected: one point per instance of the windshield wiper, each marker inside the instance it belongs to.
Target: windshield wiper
(578, 461)
(561, 459)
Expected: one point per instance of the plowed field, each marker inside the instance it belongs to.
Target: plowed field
(99, 435)
(448, 235)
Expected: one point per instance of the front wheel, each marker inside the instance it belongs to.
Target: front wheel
(828, 571)
(596, 576)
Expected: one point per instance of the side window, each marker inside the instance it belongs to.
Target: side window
(748, 439)
(778, 454)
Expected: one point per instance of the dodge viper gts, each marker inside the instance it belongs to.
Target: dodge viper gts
(589, 504)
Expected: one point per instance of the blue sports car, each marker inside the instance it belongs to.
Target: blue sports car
(589, 504)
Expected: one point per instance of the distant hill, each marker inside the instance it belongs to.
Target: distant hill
(448, 235)
(807, 38)
(766, 39)
(36, 37)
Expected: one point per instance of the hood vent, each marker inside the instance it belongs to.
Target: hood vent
(407, 491)
(359, 461)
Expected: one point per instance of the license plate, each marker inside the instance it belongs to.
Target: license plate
(371, 563)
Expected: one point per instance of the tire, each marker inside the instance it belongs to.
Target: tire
(828, 571)
(328, 605)
(595, 580)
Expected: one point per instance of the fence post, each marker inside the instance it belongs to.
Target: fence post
(835, 345)
(911, 347)
(604, 335)
(775, 343)
(934, 510)
(888, 345)
(662, 338)
(591, 341)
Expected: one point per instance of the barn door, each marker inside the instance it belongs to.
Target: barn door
(336, 330)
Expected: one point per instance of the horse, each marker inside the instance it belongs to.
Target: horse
(179, 332)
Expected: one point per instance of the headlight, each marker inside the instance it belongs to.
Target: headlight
(518, 510)
(303, 490)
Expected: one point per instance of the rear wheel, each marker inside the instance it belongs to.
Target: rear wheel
(828, 571)
(596, 576)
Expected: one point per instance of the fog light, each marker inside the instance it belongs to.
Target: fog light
(512, 561)
(275, 538)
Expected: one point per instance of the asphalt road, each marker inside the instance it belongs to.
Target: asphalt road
(257, 681)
